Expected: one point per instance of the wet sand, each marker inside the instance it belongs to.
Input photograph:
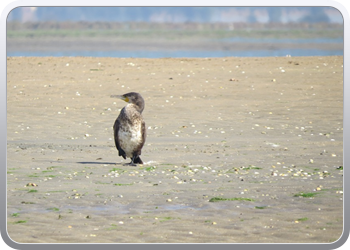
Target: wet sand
(239, 150)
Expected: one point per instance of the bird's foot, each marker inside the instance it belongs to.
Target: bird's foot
(132, 164)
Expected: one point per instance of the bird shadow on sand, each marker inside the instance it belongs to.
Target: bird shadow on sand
(106, 163)
(99, 162)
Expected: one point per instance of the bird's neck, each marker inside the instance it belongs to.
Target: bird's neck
(138, 108)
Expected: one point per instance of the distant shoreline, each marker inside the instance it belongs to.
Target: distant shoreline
(145, 38)
(170, 31)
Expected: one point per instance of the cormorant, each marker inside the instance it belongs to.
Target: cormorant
(129, 128)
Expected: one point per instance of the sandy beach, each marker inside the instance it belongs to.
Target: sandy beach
(238, 150)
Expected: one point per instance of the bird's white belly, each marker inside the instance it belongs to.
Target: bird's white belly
(130, 138)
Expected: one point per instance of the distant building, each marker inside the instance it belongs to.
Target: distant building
(29, 14)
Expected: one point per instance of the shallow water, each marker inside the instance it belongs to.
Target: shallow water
(284, 40)
(264, 51)
(181, 53)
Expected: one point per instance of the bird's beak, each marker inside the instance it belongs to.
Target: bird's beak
(120, 97)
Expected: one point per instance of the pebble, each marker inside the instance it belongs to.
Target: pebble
(234, 80)
(31, 184)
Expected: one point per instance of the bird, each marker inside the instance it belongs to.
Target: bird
(130, 128)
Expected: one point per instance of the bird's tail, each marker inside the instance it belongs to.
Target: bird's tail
(138, 160)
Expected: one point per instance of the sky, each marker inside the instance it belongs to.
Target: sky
(178, 14)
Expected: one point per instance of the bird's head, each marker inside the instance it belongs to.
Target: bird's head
(134, 98)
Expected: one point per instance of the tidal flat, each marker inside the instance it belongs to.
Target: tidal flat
(262, 137)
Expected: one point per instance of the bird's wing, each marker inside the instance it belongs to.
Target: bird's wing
(143, 133)
(116, 139)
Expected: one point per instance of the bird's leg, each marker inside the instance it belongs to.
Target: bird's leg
(132, 161)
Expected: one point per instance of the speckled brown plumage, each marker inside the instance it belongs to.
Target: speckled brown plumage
(130, 129)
